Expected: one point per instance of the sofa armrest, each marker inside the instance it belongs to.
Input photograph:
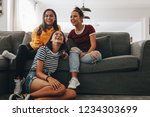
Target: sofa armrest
(141, 49)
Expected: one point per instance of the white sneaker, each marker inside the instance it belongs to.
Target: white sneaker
(18, 85)
(73, 83)
(16, 97)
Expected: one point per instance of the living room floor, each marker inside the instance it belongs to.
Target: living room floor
(100, 97)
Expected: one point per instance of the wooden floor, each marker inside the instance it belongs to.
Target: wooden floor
(100, 97)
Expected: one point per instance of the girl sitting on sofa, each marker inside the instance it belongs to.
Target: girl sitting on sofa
(40, 36)
(85, 43)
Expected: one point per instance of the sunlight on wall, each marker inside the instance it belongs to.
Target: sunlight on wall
(26, 14)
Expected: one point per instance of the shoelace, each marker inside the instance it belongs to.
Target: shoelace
(20, 97)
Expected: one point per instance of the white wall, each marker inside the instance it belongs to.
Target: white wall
(101, 16)
(103, 19)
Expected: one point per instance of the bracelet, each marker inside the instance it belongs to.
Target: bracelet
(46, 78)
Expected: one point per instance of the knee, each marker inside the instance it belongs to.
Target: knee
(22, 48)
(51, 92)
(98, 54)
(61, 91)
(75, 49)
(71, 93)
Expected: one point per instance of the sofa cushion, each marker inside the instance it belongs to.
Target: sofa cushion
(27, 38)
(120, 42)
(116, 63)
(103, 44)
(17, 37)
(5, 43)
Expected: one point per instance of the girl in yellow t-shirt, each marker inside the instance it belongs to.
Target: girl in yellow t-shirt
(40, 36)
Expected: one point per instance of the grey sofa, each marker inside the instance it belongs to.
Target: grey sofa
(124, 69)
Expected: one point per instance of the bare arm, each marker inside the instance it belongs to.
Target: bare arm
(39, 72)
(93, 43)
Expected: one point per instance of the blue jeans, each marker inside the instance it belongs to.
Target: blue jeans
(74, 59)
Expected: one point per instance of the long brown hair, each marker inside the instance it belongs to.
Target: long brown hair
(43, 26)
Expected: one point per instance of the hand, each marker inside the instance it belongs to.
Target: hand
(65, 56)
(54, 83)
(94, 54)
(82, 54)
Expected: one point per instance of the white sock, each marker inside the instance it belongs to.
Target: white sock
(75, 78)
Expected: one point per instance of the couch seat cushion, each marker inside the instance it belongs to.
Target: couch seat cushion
(4, 63)
(117, 63)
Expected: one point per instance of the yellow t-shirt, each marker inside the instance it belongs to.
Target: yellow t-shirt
(38, 41)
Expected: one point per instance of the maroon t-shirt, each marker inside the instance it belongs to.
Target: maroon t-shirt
(82, 40)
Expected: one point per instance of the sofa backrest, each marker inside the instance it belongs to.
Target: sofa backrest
(16, 38)
(120, 42)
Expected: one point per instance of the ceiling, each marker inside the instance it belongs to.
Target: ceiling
(100, 9)
(100, 3)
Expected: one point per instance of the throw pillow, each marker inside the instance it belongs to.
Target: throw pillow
(103, 44)
(5, 43)
(27, 38)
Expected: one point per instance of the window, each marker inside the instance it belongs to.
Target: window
(0, 7)
(25, 15)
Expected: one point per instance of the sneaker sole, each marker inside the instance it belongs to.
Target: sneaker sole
(12, 97)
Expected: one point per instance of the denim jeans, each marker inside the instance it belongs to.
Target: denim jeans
(74, 59)
(30, 77)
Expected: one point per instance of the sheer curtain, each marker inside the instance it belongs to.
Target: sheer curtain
(10, 14)
(24, 15)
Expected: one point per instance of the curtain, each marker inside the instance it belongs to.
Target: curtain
(24, 15)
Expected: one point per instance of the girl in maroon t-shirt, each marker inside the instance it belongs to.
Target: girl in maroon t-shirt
(84, 39)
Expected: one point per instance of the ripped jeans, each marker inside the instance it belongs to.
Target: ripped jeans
(74, 58)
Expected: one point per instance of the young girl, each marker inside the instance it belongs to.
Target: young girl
(85, 43)
(40, 36)
(40, 82)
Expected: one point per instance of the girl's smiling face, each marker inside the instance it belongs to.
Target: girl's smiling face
(49, 18)
(58, 37)
(75, 18)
